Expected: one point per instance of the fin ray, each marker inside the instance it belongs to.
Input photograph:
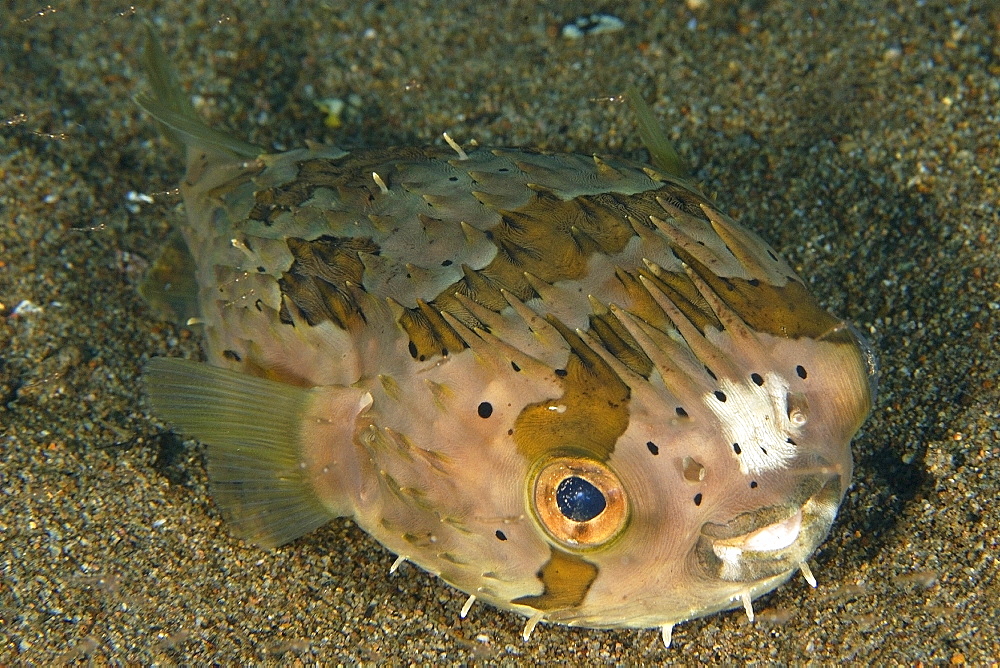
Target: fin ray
(252, 427)
(172, 108)
(661, 151)
(170, 287)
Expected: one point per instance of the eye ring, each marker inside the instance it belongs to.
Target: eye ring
(578, 502)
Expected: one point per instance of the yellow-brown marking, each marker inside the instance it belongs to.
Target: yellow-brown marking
(320, 279)
(588, 418)
(566, 578)
(788, 310)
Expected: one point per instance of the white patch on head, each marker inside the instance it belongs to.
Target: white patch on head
(754, 419)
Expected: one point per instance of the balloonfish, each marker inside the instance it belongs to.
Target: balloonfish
(569, 386)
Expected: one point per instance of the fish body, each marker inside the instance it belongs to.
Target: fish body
(569, 386)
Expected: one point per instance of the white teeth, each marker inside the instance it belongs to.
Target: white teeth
(467, 606)
(747, 604)
(808, 574)
(770, 538)
(667, 632)
(776, 536)
(530, 626)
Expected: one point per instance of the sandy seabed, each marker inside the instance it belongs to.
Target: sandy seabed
(859, 138)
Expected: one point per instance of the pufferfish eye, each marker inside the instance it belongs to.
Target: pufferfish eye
(579, 502)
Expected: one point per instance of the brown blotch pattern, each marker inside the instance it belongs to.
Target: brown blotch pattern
(589, 417)
(619, 342)
(787, 310)
(352, 173)
(549, 239)
(567, 579)
(323, 277)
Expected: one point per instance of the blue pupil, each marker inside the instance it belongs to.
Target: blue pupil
(579, 500)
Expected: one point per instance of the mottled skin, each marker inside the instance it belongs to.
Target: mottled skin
(609, 315)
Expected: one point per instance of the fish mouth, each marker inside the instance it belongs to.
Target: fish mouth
(773, 540)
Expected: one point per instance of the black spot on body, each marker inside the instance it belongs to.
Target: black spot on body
(737, 449)
(711, 373)
(754, 282)
(261, 270)
(697, 499)
(231, 355)
(720, 395)
(501, 535)
(753, 484)
(800, 371)
(790, 441)
(515, 366)
(455, 178)
(757, 379)
(446, 263)
(485, 409)
(653, 448)
(681, 412)
(561, 373)
(412, 347)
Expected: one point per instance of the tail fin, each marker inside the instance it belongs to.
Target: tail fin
(172, 108)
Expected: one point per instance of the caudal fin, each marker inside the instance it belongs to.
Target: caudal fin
(169, 104)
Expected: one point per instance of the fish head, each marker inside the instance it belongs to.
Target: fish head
(724, 481)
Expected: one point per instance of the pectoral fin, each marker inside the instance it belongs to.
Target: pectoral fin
(169, 286)
(262, 462)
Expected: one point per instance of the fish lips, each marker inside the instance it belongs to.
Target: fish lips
(773, 540)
